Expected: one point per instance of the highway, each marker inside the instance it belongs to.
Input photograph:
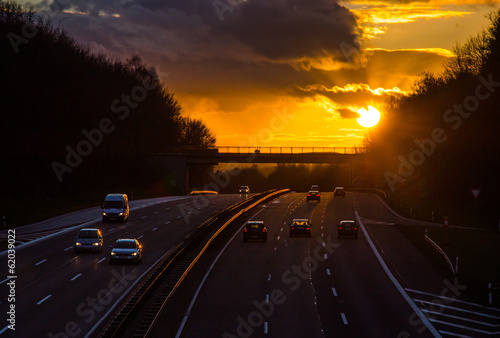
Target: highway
(62, 294)
(320, 286)
(298, 287)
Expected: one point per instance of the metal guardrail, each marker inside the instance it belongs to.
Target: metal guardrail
(290, 150)
(441, 251)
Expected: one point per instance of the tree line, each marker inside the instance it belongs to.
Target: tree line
(440, 141)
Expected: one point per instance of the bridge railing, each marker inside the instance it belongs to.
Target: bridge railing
(290, 150)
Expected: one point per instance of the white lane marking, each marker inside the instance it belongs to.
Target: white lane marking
(139, 237)
(328, 272)
(42, 261)
(415, 308)
(459, 318)
(322, 235)
(154, 229)
(179, 216)
(321, 227)
(325, 256)
(453, 300)
(334, 291)
(72, 279)
(344, 319)
(167, 208)
(278, 238)
(43, 300)
(143, 216)
(454, 308)
(101, 260)
(111, 229)
(156, 212)
(167, 222)
(281, 229)
(461, 326)
(269, 277)
(267, 298)
(68, 248)
(266, 327)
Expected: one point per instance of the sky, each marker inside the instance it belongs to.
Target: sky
(278, 72)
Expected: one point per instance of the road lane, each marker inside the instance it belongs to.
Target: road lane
(300, 286)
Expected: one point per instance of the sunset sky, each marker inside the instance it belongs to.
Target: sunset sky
(278, 72)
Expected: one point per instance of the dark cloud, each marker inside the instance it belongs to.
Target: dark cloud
(348, 114)
(293, 29)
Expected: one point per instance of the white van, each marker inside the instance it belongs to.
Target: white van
(115, 208)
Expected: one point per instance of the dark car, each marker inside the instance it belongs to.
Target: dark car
(126, 250)
(300, 226)
(255, 230)
(315, 187)
(313, 195)
(88, 240)
(244, 189)
(347, 228)
(339, 191)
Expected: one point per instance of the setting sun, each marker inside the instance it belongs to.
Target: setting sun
(368, 118)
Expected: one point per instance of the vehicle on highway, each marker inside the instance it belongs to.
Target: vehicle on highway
(300, 226)
(89, 240)
(115, 208)
(244, 189)
(314, 187)
(126, 250)
(313, 195)
(255, 230)
(339, 191)
(347, 228)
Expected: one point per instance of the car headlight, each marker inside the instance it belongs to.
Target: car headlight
(113, 253)
(104, 214)
(134, 254)
(120, 214)
(77, 244)
(95, 244)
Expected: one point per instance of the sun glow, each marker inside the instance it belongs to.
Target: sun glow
(368, 118)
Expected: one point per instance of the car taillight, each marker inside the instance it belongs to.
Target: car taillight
(263, 230)
(245, 230)
(340, 228)
(308, 195)
(355, 228)
(308, 228)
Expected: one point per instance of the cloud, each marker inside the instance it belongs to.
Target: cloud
(293, 29)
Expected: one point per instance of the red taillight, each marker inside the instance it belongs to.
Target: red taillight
(308, 195)
(355, 228)
(263, 230)
(245, 230)
(340, 228)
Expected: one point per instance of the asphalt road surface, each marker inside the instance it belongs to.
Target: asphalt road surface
(320, 286)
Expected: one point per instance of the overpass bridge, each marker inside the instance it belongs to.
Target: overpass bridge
(179, 161)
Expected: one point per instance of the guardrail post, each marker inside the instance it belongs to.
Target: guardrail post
(490, 295)
(456, 266)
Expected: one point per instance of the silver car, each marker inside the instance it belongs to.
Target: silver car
(88, 240)
(126, 250)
